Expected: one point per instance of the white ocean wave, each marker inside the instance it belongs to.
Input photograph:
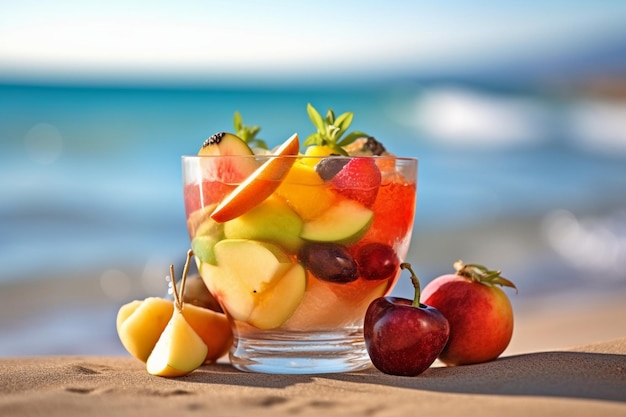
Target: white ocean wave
(471, 118)
(594, 243)
(598, 126)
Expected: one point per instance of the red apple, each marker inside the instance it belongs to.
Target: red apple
(404, 337)
(479, 313)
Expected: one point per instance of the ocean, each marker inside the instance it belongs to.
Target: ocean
(91, 175)
(91, 185)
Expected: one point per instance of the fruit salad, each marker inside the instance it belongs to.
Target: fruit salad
(302, 237)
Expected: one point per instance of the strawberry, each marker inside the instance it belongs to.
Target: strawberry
(358, 180)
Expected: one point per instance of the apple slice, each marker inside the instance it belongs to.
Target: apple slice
(247, 272)
(202, 247)
(272, 221)
(277, 304)
(199, 222)
(344, 222)
(259, 185)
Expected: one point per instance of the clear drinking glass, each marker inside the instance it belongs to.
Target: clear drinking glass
(295, 259)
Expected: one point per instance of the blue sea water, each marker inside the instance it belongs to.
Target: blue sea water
(90, 184)
(90, 176)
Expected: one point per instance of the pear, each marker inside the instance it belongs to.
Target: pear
(140, 324)
(179, 350)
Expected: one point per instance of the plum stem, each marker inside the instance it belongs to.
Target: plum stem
(415, 281)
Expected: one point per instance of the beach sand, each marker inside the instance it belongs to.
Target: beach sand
(569, 361)
(584, 381)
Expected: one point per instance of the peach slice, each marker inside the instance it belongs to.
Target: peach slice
(259, 185)
(212, 327)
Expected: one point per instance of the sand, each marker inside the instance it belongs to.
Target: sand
(587, 380)
(579, 381)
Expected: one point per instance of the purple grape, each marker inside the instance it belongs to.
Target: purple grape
(327, 168)
(329, 262)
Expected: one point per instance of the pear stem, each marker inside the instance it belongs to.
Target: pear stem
(183, 279)
(416, 283)
(174, 289)
(178, 295)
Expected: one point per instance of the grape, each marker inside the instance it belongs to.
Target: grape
(329, 262)
(377, 261)
(327, 168)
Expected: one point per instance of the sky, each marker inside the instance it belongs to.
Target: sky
(280, 39)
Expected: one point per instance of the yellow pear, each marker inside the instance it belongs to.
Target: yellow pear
(179, 350)
(140, 324)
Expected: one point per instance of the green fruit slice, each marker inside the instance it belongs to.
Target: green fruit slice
(344, 222)
(202, 247)
(271, 221)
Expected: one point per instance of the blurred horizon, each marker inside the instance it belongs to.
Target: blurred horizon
(245, 43)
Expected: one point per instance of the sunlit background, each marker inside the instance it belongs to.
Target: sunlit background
(517, 112)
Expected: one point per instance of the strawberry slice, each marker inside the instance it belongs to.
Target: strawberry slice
(359, 180)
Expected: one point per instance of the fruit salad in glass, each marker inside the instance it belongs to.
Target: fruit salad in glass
(295, 243)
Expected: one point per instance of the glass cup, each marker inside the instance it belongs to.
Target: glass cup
(295, 248)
